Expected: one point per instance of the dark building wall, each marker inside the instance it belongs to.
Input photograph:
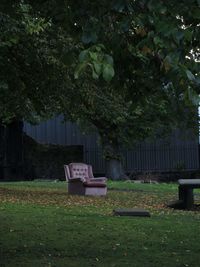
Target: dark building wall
(11, 150)
(45, 161)
(177, 152)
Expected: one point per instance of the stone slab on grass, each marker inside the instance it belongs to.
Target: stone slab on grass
(131, 212)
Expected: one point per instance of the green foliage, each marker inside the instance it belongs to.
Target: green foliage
(28, 62)
(99, 62)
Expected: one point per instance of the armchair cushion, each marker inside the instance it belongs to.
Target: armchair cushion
(98, 179)
(94, 184)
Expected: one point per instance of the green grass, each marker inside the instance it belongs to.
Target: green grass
(41, 225)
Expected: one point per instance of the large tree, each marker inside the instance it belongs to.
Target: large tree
(138, 70)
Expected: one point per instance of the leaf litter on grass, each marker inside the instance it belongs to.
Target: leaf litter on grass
(151, 201)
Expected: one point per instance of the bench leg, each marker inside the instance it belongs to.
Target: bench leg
(181, 193)
(189, 199)
(186, 195)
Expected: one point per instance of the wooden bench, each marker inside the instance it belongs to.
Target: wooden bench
(185, 191)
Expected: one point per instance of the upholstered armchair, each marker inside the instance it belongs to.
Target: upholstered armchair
(81, 180)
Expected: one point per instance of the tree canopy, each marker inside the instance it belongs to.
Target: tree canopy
(128, 69)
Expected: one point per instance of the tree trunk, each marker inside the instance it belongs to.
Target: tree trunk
(115, 170)
(113, 159)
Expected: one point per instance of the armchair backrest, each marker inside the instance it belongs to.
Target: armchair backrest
(78, 170)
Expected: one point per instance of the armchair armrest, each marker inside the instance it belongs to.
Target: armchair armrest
(98, 179)
(77, 179)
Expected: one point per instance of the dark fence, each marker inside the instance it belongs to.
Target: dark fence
(139, 159)
(177, 152)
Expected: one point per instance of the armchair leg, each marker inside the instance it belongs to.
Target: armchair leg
(76, 189)
(96, 191)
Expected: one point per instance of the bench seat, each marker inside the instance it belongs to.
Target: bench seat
(191, 183)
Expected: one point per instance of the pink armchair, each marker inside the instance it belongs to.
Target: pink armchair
(81, 180)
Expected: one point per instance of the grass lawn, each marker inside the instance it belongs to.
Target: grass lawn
(41, 225)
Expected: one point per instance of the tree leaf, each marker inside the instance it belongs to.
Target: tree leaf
(188, 35)
(190, 76)
(86, 38)
(83, 55)
(109, 59)
(97, 68)
(108, 72)
(94, 74)
(158, 41)
(93, 55)
(179, 36)
(89, 37)
(197, 81)
(79, 69)
(192, 96)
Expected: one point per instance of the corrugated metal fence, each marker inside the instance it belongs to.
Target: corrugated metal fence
(174, 153)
